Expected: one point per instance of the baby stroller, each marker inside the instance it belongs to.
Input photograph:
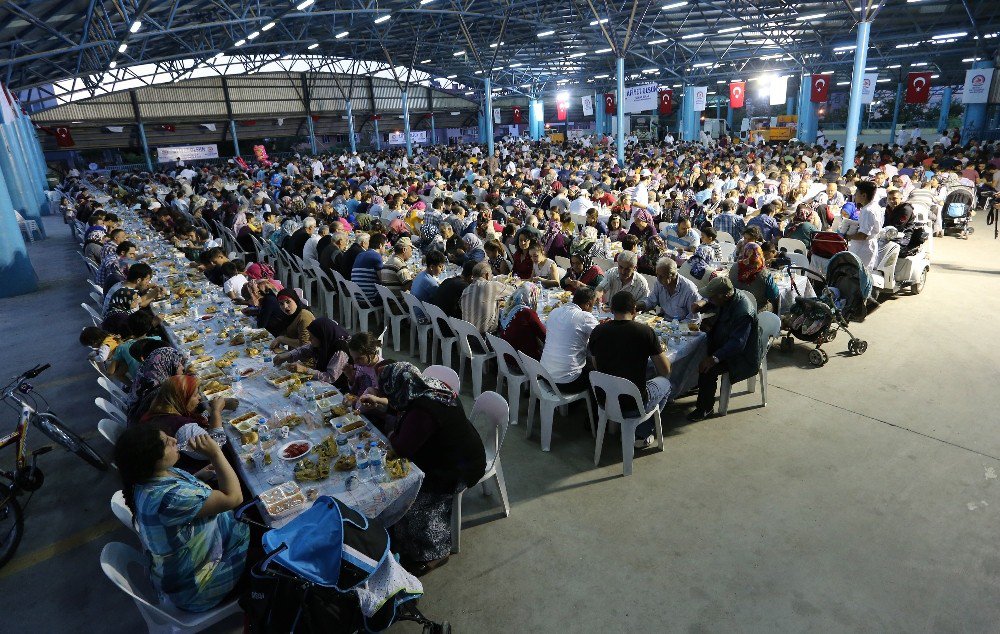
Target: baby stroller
(330, 570)
(842, 300)
(958, 209)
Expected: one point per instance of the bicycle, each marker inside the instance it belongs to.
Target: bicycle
(28, 478)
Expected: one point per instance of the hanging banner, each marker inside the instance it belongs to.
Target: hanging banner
(517, 115)
(609, 103)
(261, 153)
(820, 90)
(737, 93)
(641, 98)
(778, 91)
(868, 87)
(666, 101)
(699, 96)
(416, 136)
(562, 109)
(187, 153)
(977, 85)
(918, 87)
(588, 105)
(496, 115)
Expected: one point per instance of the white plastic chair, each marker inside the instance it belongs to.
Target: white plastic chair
(443, 334)
(395, 314)
(613, 388)
(361, 306)
(97, 289)
(548, 397)
(604, 263)
(116, 393)
(491, 407)
(420, 331)
(122, 511)
(94, 315)
(28, 227)
(97, 366)
(723, 236)
(110, 409)
(345, 301)
(770, 325)
(444, 374)
(98, 299)
(509, 373)
(728, 250)
(467, 333)
(111, 429)
(328, 292)
(792, 245)
(797, 259)
(127, 569)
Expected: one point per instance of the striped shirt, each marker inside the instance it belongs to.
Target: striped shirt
(394, 275)
(730, 223)
(480, 304)
(366, 274)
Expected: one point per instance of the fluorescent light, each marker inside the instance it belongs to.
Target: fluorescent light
(827, 72)
(122, 47)
(649, 71)
(515, 65)
(843, 83)
(848, 47)
(659, 41)
(423, 2)
(576, 55)
(469, 92)
(113, 64)
(948, 36)
(496, 44)
(426, 61)
(604, 76)
(720, 81)
(596, 22)
(546, 33)
(908, 45)
(704, 64)
(730, 29)
(913, 1)
(525, 86)
(881, 81)
(971, 59)
(496, 68)
(240, 42)
(253, 35)
(268, 26)
(305, 3)
(673, 5)
(312, 46)
(458, 53)
(451, 76)
(135, 26)
(871, 68)
(381, 19)
(935, 76)
(478, 72)
(602, 50)
(341, 35)
(691, 36)
(813, 16)
(893, 66)
(919, 64)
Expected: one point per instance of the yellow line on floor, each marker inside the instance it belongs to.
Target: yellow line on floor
(72, 378)
(55, 549)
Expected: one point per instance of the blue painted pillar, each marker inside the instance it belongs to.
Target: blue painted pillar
(689, 130)
(718, 109)
(806, 130)
(854, 107)
(482, 126)
(974, 117)
(20, 186)
(789, 105)
(232, 133)
(378, 137)
(729, 118)
(311, 125)
(15, 268)
(350, 127)
(32, 157)
(620, 110)
(532, 118)
(539, 119)
(488, 104)
(945, 107)
(406, 124)
(895, 113)
(145, 146)
(598, 115)
(433, 131)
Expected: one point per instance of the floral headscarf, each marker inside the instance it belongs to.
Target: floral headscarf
(644, 215)
(403, 384)
(750, 263)
(704, 256)
(159, 365)
(552, 230)
(655, 246)
(525, 297)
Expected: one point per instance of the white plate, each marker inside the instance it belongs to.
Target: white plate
(281, 451)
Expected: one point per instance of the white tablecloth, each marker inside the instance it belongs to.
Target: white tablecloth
(787, 293)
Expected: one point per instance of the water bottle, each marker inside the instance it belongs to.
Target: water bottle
(375, 462)
(343, 449)
(237, 382)
(361, 456)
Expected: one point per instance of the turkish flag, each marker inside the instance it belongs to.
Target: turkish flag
(168, 127)
(64, 138)
(250, 122)
(918, 87)
(517, 115)
(561, 108)
(376, 117)
(609, 103)
(666, 101)
(819, 92)
(737, 93)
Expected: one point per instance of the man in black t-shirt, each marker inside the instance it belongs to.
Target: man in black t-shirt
(448, 296)
(624, 347)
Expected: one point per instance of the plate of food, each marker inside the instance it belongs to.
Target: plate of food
(295, 449)
(250, 417)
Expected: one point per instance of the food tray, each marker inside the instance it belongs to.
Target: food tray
(250, 417)
(282, 500)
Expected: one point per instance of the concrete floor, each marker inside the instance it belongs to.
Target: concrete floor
(863, 498)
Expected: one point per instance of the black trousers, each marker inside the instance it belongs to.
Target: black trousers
(708, 385)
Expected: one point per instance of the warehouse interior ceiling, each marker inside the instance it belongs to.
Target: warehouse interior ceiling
(56, 51)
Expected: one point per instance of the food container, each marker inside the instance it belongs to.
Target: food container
(253, 418)
(282, 500)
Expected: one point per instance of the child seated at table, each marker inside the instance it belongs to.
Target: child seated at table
(101, 343)
(365, 351)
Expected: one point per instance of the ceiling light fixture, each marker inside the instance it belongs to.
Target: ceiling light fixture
(382, 19)
(451, 76)
(546, 33)
(948, 36)
(813, 16)
(604, 76)
(240, 42)
(458, 53)
(691, 36)
(135, 26)
(841, 49)
(659, 41)
(253, 35)
(426, 61)
(304, 4)
(122, 47)
(601, 51)
(113, 64)
(312, 46)
(574, 55)
(341, 35)
(730, 29)
(268, 26)
(673, 5)
(596, 22)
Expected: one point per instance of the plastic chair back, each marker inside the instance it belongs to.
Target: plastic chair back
(509, 359)
(610, 390)
(541, 382)
(393, 307)
(94, 316)
(792, 245)
(439, 321)
(797, 259)
(723, 236)
(111, 429)
(444, 374)
(728, 250)
(121, 510)
(415, 307)
(494, 411)
(465, 333)
(769, 323)
(110, 409)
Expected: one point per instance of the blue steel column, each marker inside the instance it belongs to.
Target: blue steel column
(32, 175)
(406, 124)
(689, 116)
(539, 119)
(854, 107)
(232, 133)
(620, 106)
(974, 117)
(378, 137)
(350, 126)
(729, 117)
(598, 115)
(312, 134)
(145, 146)
(806, 128)
(19, 185)
(895, 113)
(28, 142)
(532, 119)
(488, 104)
(15, 268)
(945, 107)
(480, 119)
(433, 131)
(789, 105)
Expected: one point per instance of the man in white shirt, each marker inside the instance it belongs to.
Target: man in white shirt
(864, 242)
(187, 173)
(567, 334)
(317, 168)
(641, 194)
(310, 251)
(915, 134)
(945, 140)
(581, 203)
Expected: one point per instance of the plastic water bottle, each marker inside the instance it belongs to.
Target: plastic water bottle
(361, 456)
(375, 462)
(237, 382)
(343, 449)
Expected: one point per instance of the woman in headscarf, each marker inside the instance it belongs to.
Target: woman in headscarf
(157, 367)
(397, 229)
(652, 251)
(642, 226)
(327, 348)
(519, 324)
(433, 432)
(749, 274)
(803, 225)
(474, 251)
(553, 240)
(582, 271)
(296, 333)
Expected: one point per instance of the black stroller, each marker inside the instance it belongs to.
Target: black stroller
(330, 570)
(842, 299)
(957, 211)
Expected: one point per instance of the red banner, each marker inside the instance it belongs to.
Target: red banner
(64, 138)
(517, 115)
(242, 163)
(609, 103)
(918, 87)
(250, 122)
(666, 101)
(168, 127)
(561, 109)
(737, 93)
(819, 92)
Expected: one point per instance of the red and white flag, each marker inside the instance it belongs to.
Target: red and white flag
(517, 115)
(562, 108)
(666, 101)
(918, 87)
(737, 93)
(820, 90)
(609, 103)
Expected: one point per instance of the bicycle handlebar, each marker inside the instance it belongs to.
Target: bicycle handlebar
(35, 371)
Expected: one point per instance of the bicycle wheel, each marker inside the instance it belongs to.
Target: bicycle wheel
(70, 440)
(11, 524)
